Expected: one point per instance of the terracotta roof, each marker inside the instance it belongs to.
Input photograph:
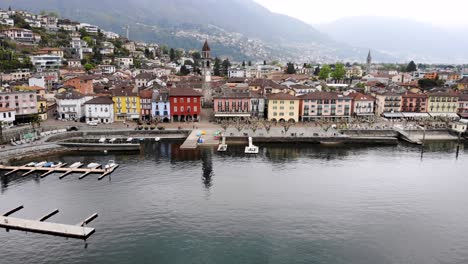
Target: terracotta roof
(144, 75)
(183, 92)
(362, 97)
(414, 95)
(69, 95)
(123, 91)
(147, 94)
(101, 100)
(282, 96)
(464, 80)
(463, 97)
(3, 109)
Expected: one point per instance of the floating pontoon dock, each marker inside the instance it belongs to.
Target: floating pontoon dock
(66, 171)
(79, 231)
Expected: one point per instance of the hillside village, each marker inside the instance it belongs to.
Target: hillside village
(55, 68)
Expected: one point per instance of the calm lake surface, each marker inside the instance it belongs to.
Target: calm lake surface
(289, 204)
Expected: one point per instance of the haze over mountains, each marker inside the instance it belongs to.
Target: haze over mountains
(401, 38)
(241, 29)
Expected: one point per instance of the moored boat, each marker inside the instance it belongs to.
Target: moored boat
(40, 164)
(31, 164)
(110, 164)
(76, 165)
(94, 165)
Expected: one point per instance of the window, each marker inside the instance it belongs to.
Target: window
(182, 100)
(195, 100)
(175, 100)
(281, 114)
(182, 109)
(195, 109)
(291, 102)
(291, 114)
(291, 108)
(175, 108)
(275, 114)
(188, 100)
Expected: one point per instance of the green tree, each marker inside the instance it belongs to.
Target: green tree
(291, 68)
(172, 55)
(250, 63)
(88, 66)
(225, 66)
(411, 67)
(89, 40)
(184, 71)
(325, 72)
(317, 71)
(243, 63)
(340, 72)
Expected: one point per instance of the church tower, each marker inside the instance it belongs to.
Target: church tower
(206, 62)
(369, 63)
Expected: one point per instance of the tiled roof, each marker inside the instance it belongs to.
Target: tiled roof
(324, 96)
(3, 109)
(101, 100)
(282, 96)
(183, 92)
(69, 95)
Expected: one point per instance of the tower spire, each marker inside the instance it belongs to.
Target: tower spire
(369, 62)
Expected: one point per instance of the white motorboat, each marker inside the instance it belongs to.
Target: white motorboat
(157, 139)
(56, 164)
(102, 140)
(129, 140)
(31, 164)
(40, 164)
(94, 165)
(110, 164)
(223, 146)
(112, 140)
(251, 149)
(76, 165)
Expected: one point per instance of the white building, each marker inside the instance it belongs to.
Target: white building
(89, 28)
(125, 62)
(40, 81)
(46, 61)
(107, 69)
(160, 106)
(70, 105)
(7, 116)
(100, 109)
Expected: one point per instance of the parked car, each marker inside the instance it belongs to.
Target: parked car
(92, 123)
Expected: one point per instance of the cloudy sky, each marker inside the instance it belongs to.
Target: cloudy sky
(445, 13)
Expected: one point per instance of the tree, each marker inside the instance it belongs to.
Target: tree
(340, 72)
(184, 71)
(429, 83)
(325, 72)
(217, 67)
(250, 63)
(317, 71)
(172, 54)
(291, 69)
(89, 40)
(225, 66)
(264, 62)
(411, 67)
(88, 66)
(243, 63)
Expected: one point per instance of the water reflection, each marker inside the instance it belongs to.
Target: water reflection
(207, 167)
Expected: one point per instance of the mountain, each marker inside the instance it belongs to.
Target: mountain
(241, 29)
(401, 38)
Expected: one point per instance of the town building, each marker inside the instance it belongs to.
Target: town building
(325, 105)
(7, 116)
(124, 62)
(70, 105)
(463, 106)
(160, 105)
(387, 103)
(142, 79)
(42, 108)
(414, 103)
(145, 104)
(107, 69)
(21, 35)
(233, 103)
(463, 84)
(100, 109)
(126, 103)
(185, 104)
(83, 84)
(362, 104)
(46, 61)
(24, 103)
(443, 103)
(283, 107)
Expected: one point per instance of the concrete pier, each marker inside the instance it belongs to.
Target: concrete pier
(65, 171)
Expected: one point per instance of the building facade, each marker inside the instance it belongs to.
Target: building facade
(325, 105)
(126, 103)
(100, 109)
(70, 105)
(443, 102)
(283, 107)
(362, 104)
(185, 104)
(160, 106)
(24, 103)
(7, 116)
(83, 84)
(414, 103)
(387, 103)
(145, 104)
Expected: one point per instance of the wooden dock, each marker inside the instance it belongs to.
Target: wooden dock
(79, 231)
(191, 142)
(65, 171)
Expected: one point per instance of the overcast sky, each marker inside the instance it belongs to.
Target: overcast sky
(440, 13)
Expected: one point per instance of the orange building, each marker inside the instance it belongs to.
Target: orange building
(83, 84)
(431, 75)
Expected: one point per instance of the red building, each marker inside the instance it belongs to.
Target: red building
(185, 104)
(145, 104)
(83, 84)
(414, 103)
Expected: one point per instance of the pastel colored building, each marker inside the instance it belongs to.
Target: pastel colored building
(233, 103)
(443, 102)
(387, 103)
(160, 106)
(328, 105)
(463, 105)
(24, 103)
(7, 116)
(185, 104)
(83, 84)
(100, 109)
(414, 103)
(126, 103)
(145, 104)
(362, 104)
(283, 107)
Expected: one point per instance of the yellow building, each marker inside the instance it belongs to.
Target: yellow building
(283, 107)
(463, 84)
(442, 102)
(42, 108)
(126, 104)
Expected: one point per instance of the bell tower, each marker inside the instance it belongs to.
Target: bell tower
(206, 62)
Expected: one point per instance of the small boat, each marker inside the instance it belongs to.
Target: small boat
(223, 146)
(31, 164)
(40, 164)
(129, 140)
(110, 164)
(331, 143)
(112, 140)
(102, 140)
(56, 164)
(157, 139)
(94, 165)
(48, 165)
(76, 165)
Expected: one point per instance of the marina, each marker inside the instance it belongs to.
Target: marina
(74, 168)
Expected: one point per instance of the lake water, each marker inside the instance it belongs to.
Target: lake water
(289, 204)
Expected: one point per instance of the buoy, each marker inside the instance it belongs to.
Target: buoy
(105, 151)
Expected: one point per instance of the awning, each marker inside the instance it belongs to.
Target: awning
(365, 114)
(464, 121)
(392, 115)
(449, 115)
(463, 115)
(413, 115)
(232, 115)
